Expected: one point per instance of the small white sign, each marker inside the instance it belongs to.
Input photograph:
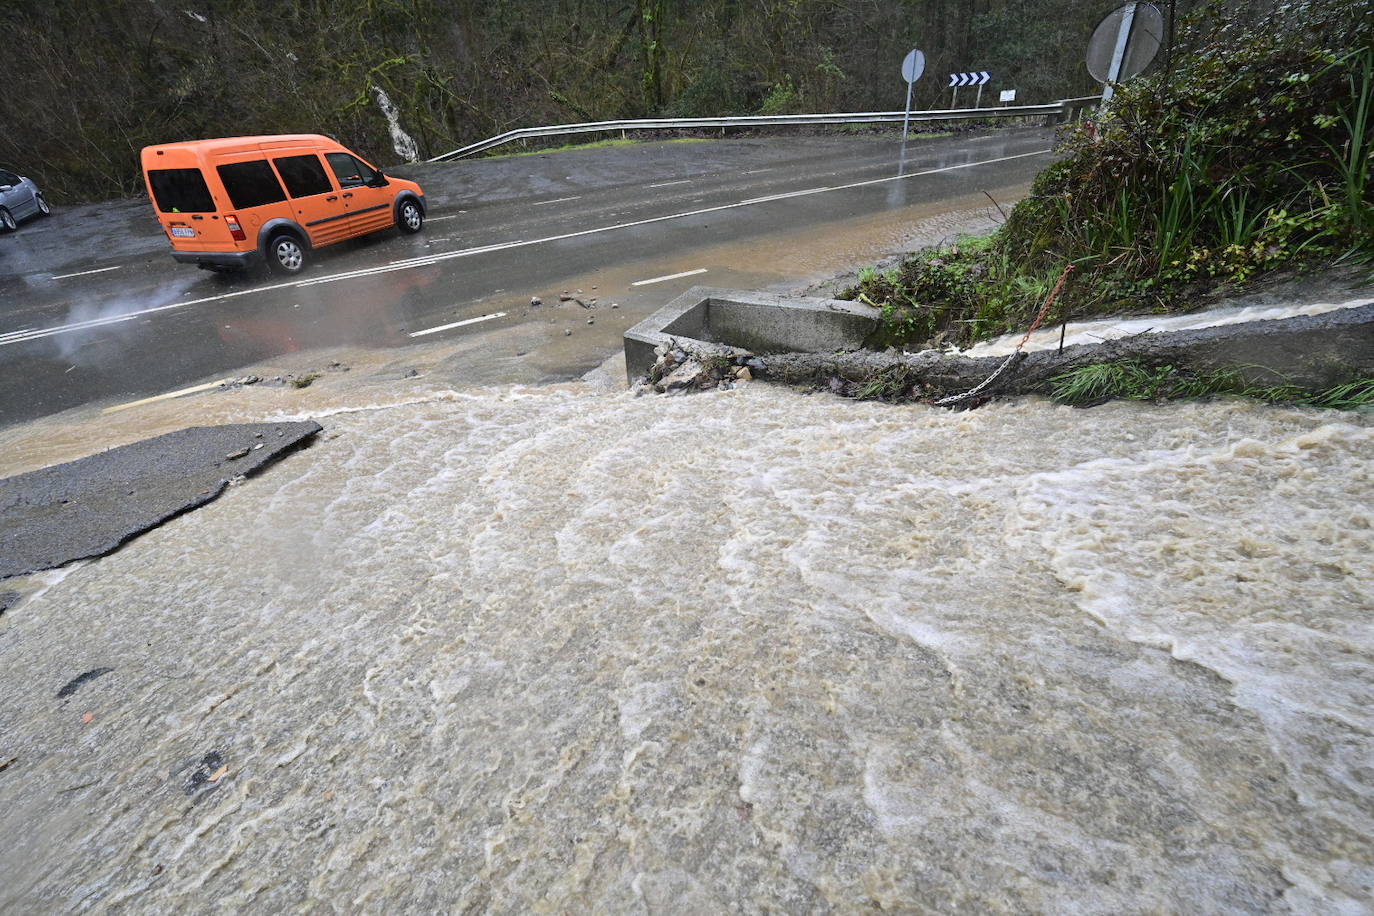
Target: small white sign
(1007, 95)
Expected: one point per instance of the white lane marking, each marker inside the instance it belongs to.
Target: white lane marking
(756, 172)
(98, 270)
(20, 337)
(457, 324)
(761, 200)
(8, 334)
(435, 219)
(685, 273)
(165, 397)
(468, 252)
(544, 203)
(370, 271)
(422, 261)
(669, 184)
(947, 168)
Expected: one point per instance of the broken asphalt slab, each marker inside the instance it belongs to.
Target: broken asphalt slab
(88, 507)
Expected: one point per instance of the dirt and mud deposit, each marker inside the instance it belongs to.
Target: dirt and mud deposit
(552, 649)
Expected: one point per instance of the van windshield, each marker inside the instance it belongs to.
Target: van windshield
(180, 191)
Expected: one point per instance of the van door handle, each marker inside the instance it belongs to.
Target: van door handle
(332, 197)
(348, 195)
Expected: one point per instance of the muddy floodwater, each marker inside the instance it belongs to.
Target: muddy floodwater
(568, 650)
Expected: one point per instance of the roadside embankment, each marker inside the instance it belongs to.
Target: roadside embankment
(1310, 352)
(705, 337)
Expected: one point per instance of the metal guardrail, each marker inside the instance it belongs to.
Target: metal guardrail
(1064, 110)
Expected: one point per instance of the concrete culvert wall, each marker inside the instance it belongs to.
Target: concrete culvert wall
(1311, 352)
(711, 319)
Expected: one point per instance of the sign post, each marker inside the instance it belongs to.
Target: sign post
(913, 65)
(978, 78)
(1119, 50)
(1124, 43)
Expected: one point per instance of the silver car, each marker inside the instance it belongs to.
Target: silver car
(19, 199)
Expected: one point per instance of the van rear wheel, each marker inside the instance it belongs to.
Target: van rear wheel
(410, 219)
(286, 254)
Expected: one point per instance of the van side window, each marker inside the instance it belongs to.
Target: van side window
(304, 175)
(352, 171)
(251, 184)
(180, 191)
(8, 177)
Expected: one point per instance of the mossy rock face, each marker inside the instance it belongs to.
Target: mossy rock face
(904, 327)
(886, 337)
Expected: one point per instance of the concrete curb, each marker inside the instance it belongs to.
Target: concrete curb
(722, 320)
(807, 341)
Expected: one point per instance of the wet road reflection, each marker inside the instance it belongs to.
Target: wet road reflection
(149, 327)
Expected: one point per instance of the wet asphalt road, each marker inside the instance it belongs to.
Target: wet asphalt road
(94, 310)
(89, 507)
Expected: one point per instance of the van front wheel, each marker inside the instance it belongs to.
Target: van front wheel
(7, 223)
(410, 219)
(285, 254)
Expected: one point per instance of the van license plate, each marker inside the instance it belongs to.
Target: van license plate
(184, 232)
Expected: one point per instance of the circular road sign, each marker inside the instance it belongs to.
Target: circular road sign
(913, 66)
(1142, 44)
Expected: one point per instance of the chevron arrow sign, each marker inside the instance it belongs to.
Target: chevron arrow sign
(977, 78)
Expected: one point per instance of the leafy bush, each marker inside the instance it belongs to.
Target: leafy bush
(1251, 153)
(782, 98)
(1254, 152)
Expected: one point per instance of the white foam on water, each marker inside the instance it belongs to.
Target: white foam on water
(557, 649)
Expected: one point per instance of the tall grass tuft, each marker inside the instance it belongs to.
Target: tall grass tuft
(1352, 158)
(1127, 380)
(1356, 395)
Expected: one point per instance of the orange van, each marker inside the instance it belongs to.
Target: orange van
(231, 203)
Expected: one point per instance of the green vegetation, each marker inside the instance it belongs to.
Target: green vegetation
(1251, 154)
(1099, 382)
(893, 383)
(90, 83)
(1131, 381)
